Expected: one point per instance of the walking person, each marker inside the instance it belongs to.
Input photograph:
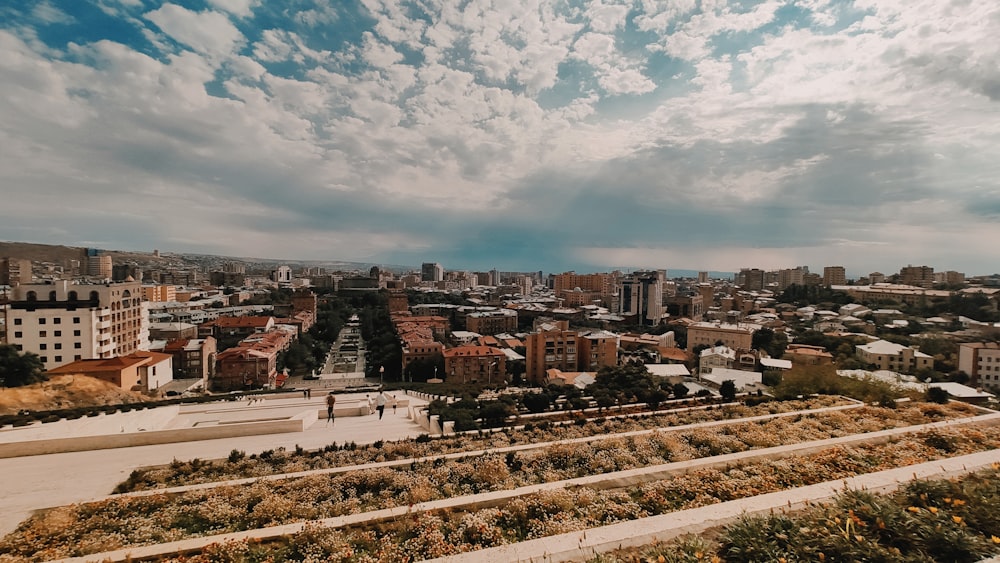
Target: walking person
(371, 409)
(380, 404)
(393, 398)
(331, 400)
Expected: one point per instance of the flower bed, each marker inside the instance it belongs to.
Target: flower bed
(939, 520)
(270, 463)
(427, 535)
(159, 518)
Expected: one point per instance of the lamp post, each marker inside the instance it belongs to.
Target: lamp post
(489, 373)
(381, 374)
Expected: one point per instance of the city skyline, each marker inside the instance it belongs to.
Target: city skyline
(581, 136)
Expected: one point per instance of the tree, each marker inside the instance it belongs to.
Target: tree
(680, 390)
(937, 395)
(536, 402)
(728, 390)
(17, 369)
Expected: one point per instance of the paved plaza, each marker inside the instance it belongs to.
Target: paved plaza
(43, 481)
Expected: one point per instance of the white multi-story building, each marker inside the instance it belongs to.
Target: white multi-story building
(64, 322)
(981, 361)
(894, 357)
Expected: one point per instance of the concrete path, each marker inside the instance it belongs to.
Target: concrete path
(45, 481)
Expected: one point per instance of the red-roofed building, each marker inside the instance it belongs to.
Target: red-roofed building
(193, 357)
(475, 363)
(138, 371)
(241, 326)
(252, 364)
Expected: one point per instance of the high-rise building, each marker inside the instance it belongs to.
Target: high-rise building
(702, 277)
(94, 263)
(750, 279)
(834, 275)
(431, 272)
(64, 322)
(640, 294)
(15, 271)
(791, 276)
(282, 274)
(919, 276)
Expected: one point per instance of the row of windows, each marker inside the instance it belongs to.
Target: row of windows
(45, 334)
(41, 321)
(57, 359)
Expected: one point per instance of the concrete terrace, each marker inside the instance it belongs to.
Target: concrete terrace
(42, 481)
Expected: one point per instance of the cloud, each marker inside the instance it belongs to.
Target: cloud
(519, 135)
(209, 33)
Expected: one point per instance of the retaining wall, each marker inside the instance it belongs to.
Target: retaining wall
(297, 423)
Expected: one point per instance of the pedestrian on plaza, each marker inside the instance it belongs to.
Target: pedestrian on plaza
(380, 403)
(331, 400)
(393, 403)
(305, 395)
(309, 393)
(371, 409)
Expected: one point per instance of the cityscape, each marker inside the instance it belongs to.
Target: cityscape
(574, 280)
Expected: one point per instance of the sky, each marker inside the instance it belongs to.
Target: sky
(518, 135)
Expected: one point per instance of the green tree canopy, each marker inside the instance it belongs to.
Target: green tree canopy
(17, 369)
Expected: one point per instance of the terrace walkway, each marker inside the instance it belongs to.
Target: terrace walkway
(43, 481)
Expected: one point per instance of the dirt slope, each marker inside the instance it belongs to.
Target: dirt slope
(63, 392)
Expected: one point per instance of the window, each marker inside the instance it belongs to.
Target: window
(76, 333)
(41, 321)
(42, 346)
(58, 358)
(17, 334)
(19, 347)
(77, 357)
(58, 345)
(57, 333)
(17, 322)
(57, 320)
(45, 359)
(42, 334)
(77, 345)
(76, 320)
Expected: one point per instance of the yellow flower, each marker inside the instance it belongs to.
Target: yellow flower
(822, 556)
(662, 559)
(958, 502)
(933, 509)
(956, 519)
(947, 500)
(914, 509)
(716, 559)
(995, 539)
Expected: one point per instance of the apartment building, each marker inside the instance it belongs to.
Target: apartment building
(15, 271)
(640, 295)
(64, 322)
(834, 275)
(497, 321)
(893, 357)
(919, 276)
(467, 364)
(598, 348)
(981, 361)
(159, 293)
(552, 347)
(194, 358)
(431, 272)
(736, 336)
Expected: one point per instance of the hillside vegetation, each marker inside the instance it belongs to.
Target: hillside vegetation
(64, 392)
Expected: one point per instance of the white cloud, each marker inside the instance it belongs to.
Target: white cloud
(210, 33)
(239, 8)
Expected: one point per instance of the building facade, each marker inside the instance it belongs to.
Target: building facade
(640, 295)
(64, 322)
(894, 357)
(550, 348)
(981, 361)
(834, 275)
(735, 336)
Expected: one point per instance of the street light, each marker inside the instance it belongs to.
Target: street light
(381, 373)
(489, 373)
